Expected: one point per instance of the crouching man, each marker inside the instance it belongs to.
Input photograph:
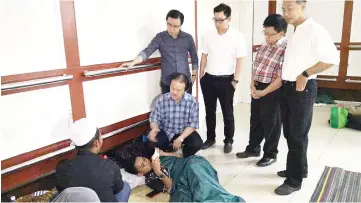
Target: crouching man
(174, 119)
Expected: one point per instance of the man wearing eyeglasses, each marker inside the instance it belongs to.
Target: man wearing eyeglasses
(266, 94)
(174, 46)
(223, 50)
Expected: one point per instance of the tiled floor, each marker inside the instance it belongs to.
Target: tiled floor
(327, 147)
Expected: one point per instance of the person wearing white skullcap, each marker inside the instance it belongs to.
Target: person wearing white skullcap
(88, 169)
(82, 132)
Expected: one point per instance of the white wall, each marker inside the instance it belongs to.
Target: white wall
(108, 31)
(31, 40)
(114, 99)
(354, 68)
(117, 30)
(28, 120)
(31, 36)
(260, 14)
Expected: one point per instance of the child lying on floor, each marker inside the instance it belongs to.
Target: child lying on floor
(191, 179)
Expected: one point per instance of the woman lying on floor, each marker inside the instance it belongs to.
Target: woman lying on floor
(191, 179)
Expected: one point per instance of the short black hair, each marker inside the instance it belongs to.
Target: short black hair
(130, 166)
(182, 78)
(175, 14)
(89, 145)
(223, 7)
(276, 21)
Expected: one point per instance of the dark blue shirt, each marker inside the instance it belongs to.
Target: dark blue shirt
(91, 171)
(174, 54)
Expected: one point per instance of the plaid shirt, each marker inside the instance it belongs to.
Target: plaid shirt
(174, 117)
(268, 63)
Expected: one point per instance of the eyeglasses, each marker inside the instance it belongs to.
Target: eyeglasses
(269, 35)
(173, 26)
(219, 20)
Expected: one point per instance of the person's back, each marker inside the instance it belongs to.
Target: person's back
(91, 171)
(88, 169)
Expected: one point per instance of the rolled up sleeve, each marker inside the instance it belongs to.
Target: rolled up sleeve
(155, 115)
(193, 54)
(152, 47)
(193, 121)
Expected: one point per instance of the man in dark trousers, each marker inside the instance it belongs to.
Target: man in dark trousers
(175, 119)
(266, 95)
(310, 50)
(223, 50)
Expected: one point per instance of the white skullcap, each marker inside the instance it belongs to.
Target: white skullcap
(82, 131)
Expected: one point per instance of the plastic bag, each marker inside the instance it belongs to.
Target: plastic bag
(338, 117)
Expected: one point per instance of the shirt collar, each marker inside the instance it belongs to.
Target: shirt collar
(229, 30)
(185, 97)
(306, 22)
(86, 152)
(179, 34)
(280, 41)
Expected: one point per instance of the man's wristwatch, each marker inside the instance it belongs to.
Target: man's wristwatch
(304, 73)
(234, 80)
(162, 176)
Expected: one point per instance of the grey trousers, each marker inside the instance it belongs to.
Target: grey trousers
(77, 194)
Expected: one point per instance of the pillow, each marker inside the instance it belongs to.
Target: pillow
(133, 148)
(131, 179)
(45, 196)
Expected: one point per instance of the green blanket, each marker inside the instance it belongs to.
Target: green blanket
(195, 180)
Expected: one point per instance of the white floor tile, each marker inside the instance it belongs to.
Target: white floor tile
(327, 147)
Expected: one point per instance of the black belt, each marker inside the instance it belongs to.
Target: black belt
(221, 76)
(294, 82)
(288, 82)
(260, 83)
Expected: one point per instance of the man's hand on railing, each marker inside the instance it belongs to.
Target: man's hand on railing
(127, 65)
(136, 61)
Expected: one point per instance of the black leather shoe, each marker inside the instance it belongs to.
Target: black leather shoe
(227, 148)
(283, 174)
(266, 162)
(207, 144)
(247, 154)
(285, 189)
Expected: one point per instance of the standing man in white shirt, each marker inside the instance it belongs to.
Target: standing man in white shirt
(222, 50)
(310, 51)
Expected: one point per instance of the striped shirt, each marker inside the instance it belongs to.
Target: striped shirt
(268, 62)
(174, 117)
